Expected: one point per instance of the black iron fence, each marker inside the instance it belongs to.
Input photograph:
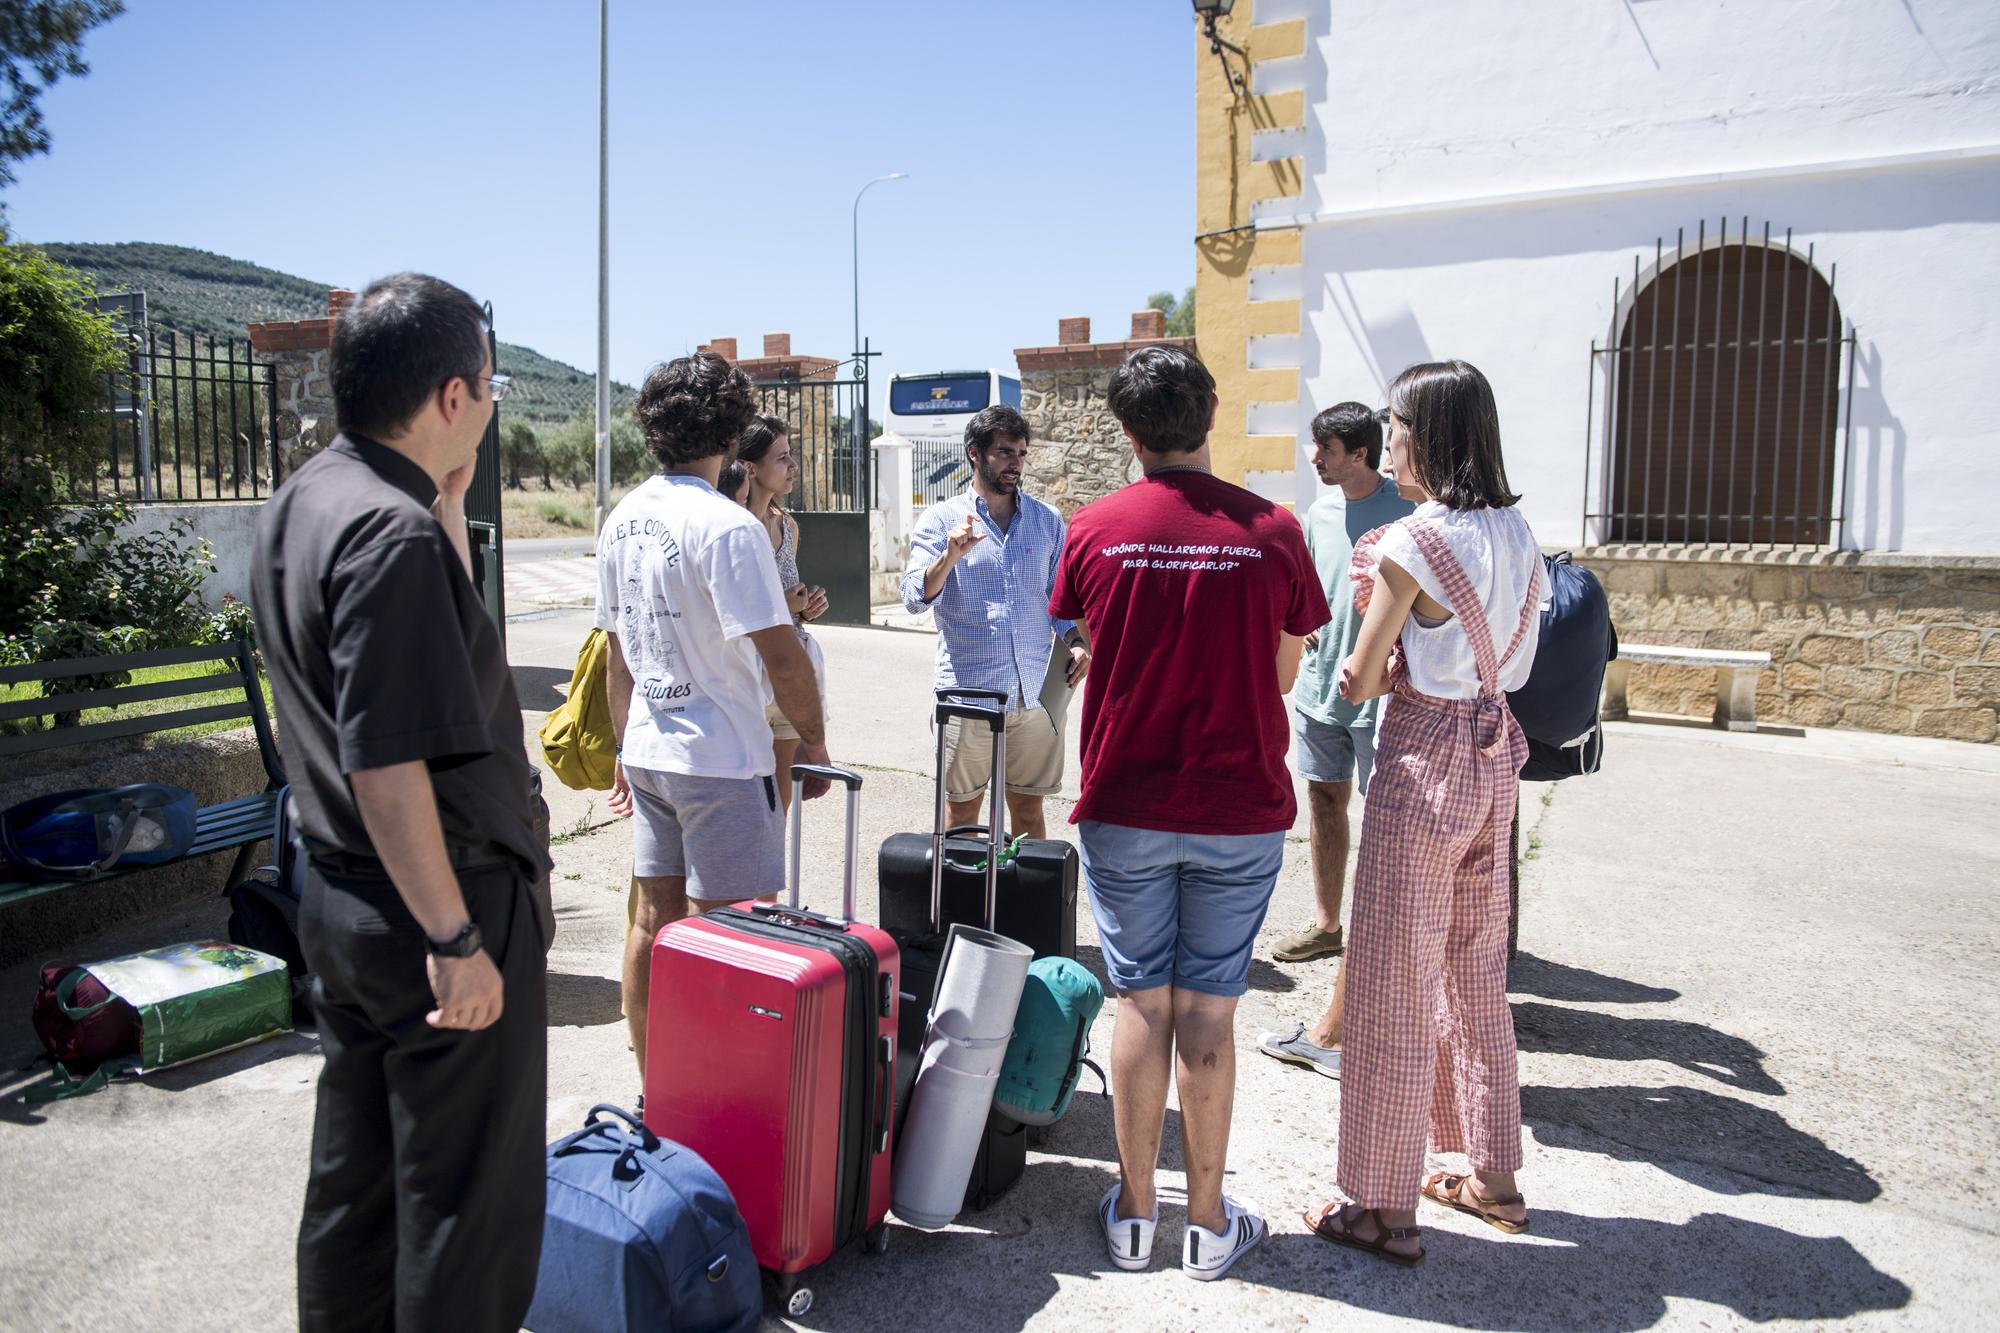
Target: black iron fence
(189, 417)
(938, 469)
(1721, 420)
(828, 421)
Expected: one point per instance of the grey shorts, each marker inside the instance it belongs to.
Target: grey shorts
(1330, 752)
(724, 835)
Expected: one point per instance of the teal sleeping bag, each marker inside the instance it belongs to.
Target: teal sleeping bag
(1051, 1034)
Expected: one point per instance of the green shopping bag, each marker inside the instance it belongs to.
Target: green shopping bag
(190, 1000)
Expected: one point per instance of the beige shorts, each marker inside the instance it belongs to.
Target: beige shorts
(1034, 756)
(781, 726)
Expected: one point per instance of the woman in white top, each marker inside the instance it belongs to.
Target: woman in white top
(764, 452)
(1449, 598)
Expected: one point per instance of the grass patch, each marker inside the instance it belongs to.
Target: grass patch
(149, 676)
(563, 515)
(559, 512)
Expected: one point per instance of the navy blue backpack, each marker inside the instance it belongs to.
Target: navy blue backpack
(1557, 707)
(640, 1233)
(81, 834)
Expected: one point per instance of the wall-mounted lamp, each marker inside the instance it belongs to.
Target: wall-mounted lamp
(1209, 12)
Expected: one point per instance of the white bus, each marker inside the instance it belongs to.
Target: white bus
(930, 411)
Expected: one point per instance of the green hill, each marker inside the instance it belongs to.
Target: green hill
(200, 292)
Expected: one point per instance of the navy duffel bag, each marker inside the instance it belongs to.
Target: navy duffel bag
(641, 1233)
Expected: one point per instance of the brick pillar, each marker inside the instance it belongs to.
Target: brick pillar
(299, 352)
(722, 347)
(777, 344)
(1148, 326)
(1075, 329)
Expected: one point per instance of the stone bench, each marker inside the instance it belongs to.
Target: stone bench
(1735, 679)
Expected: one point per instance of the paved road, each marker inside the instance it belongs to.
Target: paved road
(526, 549)
(1756, 1003)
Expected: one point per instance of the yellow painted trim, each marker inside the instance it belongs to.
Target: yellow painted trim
(1253, 453)
(1270, 385)
(1278, 247)
(1275, 41)
(1227, 183)
(1265, 317)
(1279, 178)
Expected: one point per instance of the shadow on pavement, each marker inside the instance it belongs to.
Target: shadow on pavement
(1529, 975)
(1547, 1029)
(16, 1109)
(583, 1001)
(1602, 1273)
(1678, 1128)
(537, 687)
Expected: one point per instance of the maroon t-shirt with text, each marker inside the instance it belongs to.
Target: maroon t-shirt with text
(1186, 582)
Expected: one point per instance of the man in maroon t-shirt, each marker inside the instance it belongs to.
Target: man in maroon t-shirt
(1195, 595)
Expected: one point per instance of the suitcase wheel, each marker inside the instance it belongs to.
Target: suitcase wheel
(875, 1240)
(795, 1298)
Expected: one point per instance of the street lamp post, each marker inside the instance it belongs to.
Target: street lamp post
(861, 366)
(603, 264)
(892, 176)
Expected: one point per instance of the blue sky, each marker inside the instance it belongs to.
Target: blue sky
(1049, 144)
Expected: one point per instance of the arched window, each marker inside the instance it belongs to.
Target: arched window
(1725, 385)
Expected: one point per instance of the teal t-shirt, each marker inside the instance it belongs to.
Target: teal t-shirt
(1333, 525)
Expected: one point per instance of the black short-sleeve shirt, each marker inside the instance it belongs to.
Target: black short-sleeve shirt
(380, 653)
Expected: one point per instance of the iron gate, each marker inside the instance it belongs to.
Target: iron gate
(189, 416)
(482, 509)
(828, 427)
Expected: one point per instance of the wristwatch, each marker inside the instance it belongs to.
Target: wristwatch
(462, 945)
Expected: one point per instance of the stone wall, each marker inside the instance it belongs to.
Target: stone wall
(299, 352)
(215, 768)
(1908, 645)
(1080, 453)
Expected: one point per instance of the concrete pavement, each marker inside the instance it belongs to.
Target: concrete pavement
(1755, 1002)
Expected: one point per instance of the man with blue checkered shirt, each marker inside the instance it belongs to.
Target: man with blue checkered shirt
(984, 563)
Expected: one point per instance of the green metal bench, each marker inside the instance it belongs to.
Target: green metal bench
(237, 824)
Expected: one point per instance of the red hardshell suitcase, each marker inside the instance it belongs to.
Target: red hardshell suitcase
(771, 1053)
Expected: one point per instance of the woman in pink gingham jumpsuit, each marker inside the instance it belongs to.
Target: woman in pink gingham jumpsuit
(1430, 1039)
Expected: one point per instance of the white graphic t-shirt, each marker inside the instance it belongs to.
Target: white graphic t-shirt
(683, 575)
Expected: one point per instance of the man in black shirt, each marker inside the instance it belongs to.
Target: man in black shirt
(403, 737)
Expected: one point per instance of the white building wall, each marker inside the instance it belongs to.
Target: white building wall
(1596, 105)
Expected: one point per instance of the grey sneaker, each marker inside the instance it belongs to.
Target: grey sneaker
(1293, 1048)
(1207, 1255)
(1310, 943)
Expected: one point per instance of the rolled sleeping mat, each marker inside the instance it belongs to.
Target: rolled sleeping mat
(965, 1045)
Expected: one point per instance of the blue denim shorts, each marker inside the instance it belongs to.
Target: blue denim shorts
(1330, 752)
(1178, 909)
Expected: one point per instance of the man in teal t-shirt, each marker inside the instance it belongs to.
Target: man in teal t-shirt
(1334, 739)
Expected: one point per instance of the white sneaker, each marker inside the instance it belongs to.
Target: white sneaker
(1207, 1255)
(1130, 1239)
(1293, 1048)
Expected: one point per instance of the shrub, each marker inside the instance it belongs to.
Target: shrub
(55, 350)
(73, 584)
(229, 622)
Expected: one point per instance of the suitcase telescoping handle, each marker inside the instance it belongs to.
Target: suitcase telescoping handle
(851, 781)
(995, 718)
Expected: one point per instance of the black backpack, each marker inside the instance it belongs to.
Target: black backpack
(1557, 707)
(264, 913)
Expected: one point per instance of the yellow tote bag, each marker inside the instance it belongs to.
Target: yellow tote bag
(577, 738)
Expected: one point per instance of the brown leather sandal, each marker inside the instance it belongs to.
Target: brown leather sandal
(1449, 1189)
(1331, 1229)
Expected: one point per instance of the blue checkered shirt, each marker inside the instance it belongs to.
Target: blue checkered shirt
(994, 627)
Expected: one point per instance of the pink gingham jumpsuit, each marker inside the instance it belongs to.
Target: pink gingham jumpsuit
(1429, 1037)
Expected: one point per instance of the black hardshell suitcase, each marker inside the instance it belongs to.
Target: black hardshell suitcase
(1037, 885)
(1003, 1150)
